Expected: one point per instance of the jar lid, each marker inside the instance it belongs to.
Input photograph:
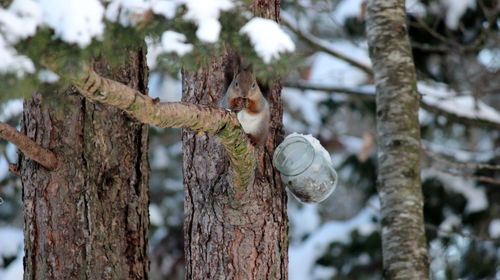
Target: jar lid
(293, 156)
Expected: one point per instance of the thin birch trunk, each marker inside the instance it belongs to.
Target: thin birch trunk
(403, 235)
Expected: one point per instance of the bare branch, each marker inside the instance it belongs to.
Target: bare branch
(460, 233)
(370, 94)
(195, 117)
(29, 147)
(319, 44)
(458, 164)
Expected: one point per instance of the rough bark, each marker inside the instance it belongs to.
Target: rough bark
(403, 235)
(88, 218)
(227, 238)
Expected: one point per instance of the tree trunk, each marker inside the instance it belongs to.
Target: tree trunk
(87, 219)
(228, 238)
(403, 235)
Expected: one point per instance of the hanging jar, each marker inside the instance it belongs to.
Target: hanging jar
(305, 167)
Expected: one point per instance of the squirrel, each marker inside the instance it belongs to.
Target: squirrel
(244, 97)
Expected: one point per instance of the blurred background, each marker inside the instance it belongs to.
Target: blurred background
(456, 48)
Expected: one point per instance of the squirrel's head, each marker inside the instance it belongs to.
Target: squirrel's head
(245, 85)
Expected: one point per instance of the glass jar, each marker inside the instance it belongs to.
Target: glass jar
(306, 168)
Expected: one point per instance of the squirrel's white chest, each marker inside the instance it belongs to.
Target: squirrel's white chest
(251, 123)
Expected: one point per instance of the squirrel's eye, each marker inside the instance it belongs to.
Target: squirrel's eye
(237, 84)
(253, 85)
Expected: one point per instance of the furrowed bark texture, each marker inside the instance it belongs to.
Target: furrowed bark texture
(403, 236)
(88, 218)
(227, 238)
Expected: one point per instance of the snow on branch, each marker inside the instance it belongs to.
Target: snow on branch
(321, 45)
(198, 118)
(268, 39)
(29, 147)
(436, 100)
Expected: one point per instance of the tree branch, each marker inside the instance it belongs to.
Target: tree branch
(195, 117)
(459, 164)
(370, 94)
(323, 46)
(29, 147)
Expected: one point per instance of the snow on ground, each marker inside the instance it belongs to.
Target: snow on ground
(268, 39)
(303, 256)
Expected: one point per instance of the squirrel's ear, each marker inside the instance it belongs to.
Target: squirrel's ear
(247, 68)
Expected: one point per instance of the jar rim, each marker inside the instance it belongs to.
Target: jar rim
(281, 148)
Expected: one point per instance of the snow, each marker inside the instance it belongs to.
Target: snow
(11, 242)
(172, 41)
(347, 9)
(304, 220)
(455, 9)
(74, 21)
(415, 7)
(20, 20)
(307, 104)
(17, 22)
(165, 8)
(490, 58)
(329, 70)
(11, 108)
(48, 76)
(12, 62)
(303, 256)
(155, 216)
(465, 106)
(475, 196)
(126, 12)
(205, 13)
(268, 39)
(315, 144)
(494, 228)
(14, 271)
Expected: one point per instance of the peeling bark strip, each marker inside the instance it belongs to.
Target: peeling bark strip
(29, 147)
(403, 236)
(244, 239)
(195, 117)
(88, 218)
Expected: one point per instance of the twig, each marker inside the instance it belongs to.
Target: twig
(448, 232)
(483, 179)
(461, 233)
(29, 147)
(459, 164)
(323, 46)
